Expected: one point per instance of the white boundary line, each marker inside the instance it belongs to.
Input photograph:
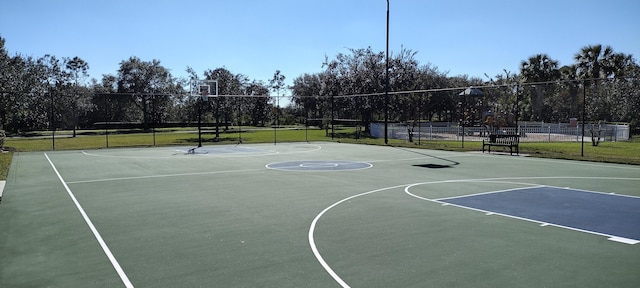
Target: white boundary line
(542, 223)
(312, 229)
(267, 152)
(104, 246)
(486, 193)
(163, 176)
(342, 283)
(575, 162)
(335, 163)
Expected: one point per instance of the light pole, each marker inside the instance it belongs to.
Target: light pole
(584, 111)
(386, 85)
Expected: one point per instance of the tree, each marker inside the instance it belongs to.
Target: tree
(58, 91)
(276, 83)
(76, 67)
(603, 71)
(539, 70)
(138, 83)
(10, 69)
(228, 84)
(593, 62)
(568, 93)
(361, 72)
(258, 103)
(503, 102)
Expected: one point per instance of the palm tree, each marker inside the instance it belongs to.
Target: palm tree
(593, 62)
(539, 68)
(602, 68)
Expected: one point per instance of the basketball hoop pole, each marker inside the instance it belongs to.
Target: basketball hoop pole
(200, 122)
(202, 89)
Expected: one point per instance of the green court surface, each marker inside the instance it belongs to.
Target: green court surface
(300, 215)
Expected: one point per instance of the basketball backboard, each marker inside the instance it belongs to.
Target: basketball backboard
(203, 88)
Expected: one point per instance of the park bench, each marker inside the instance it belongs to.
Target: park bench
(505, 140)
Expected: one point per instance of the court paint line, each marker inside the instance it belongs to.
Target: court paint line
(183, 156)
(163, 176)
(490, 192)
(205, 156)
(407, 187)
(624, 240)
(103, 245)
(419, 158)
(574, 162)
(596, 192)
(312, 229)
(319, 166)
(541, 223)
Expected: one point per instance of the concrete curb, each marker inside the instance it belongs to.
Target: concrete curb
(2, 189)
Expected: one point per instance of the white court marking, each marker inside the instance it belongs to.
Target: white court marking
(541, 223)
(185, 155)
(342, 283)
(164, 176)
(103, 245)
(319, 165)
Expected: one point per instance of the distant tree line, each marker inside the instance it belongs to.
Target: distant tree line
(540, 91)
(51, 93)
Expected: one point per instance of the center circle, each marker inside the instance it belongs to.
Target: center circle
(319, 165)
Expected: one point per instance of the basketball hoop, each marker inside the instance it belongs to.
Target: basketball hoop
(204, 92)
(203, 88)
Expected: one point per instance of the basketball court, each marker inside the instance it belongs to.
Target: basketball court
(316, 215)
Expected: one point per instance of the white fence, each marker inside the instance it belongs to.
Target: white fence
(529, 132)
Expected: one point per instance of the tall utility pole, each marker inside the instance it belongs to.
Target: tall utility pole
(386, 85)
(584, 111)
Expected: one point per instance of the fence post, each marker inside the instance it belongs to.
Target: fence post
(519, 130)
(430, 131)
(549, 132)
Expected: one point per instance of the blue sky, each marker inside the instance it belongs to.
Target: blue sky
(258, 37)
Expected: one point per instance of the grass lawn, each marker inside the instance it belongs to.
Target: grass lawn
(625, 152)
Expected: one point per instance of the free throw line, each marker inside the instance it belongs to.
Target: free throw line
(104, 246)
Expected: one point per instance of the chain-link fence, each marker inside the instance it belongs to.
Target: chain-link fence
(529, 132)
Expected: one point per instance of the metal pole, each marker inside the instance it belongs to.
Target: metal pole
(218, 118)
(200, 122)
(53, 126)
(106, 120)
(464, 97)
(419, 119)
(584, 101)
(333, 131)
(386, 86)
(239, 122)
(275, 122)
(153, 118)
(517, 108)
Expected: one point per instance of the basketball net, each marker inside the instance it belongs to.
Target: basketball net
(204, 92)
